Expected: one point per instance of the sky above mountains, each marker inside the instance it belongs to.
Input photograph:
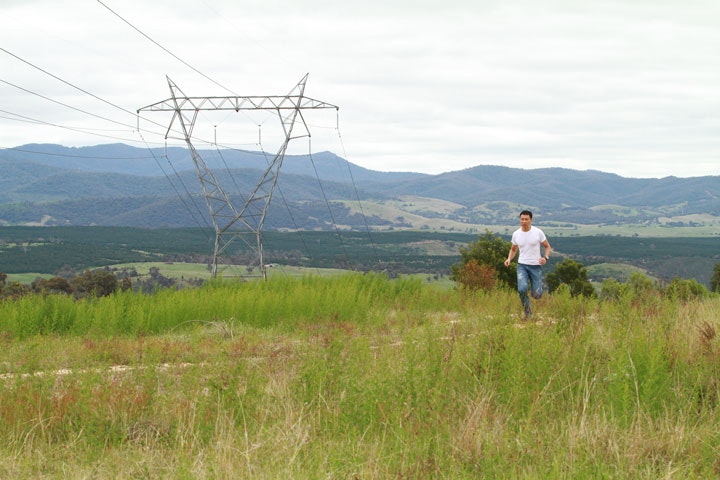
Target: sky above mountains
(627, 87)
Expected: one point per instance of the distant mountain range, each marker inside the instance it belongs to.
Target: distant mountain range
(120, 185)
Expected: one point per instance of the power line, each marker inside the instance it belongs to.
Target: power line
(69, 84)
(164, 49)
(177, 175)
(134, 114)
(355, 189)
(66, 105)
(94, 157)
(327, 203)
(42, 122)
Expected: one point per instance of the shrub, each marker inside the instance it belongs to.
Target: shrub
(686, 289)
(99, 283)
(490, 250)
(14, 290)
(477, 277)
(612, 290)
(715, 279)
(640, 285)
(52, 285)
(574, 275)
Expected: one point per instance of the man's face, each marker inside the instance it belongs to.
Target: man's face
(525, 222)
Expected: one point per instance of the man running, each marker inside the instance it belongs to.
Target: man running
(528, 239)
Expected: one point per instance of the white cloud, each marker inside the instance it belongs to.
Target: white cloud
(626, 87)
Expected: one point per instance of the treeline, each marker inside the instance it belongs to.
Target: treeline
(638, 248)
(99, 282)
(51, 250)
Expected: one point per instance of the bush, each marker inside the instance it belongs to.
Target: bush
(612, 290)
(640, 285)
(52, 285)
(477, 277)
(715, 279)
(489, 250)
(14, 290)
(574, 275)
(686, 289)
(99, 283)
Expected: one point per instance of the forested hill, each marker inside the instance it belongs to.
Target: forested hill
(122, 185)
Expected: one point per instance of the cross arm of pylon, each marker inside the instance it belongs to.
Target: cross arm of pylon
(288, 102)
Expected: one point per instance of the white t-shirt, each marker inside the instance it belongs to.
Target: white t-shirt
(529, 244)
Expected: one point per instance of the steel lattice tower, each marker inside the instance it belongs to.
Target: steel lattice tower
(230, 222)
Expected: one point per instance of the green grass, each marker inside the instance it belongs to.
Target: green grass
(619, 271)
(26, 278)
(178, 270)
(633, 230)
(357, 376)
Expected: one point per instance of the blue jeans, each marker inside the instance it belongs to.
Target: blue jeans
(531, 274)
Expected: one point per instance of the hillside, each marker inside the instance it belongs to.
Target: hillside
(120, 185)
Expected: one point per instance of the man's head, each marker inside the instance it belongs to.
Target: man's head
(525, 220)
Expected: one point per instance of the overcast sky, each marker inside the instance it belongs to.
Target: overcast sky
(630, 87)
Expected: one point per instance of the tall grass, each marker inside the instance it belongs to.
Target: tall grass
(281, 303)
(357, 377)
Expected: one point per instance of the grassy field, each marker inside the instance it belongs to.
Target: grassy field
(357, 376)
(619, 271)
(198, 270)
(27, 278)
(178, 270)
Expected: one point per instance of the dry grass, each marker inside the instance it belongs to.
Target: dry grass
(432, 385)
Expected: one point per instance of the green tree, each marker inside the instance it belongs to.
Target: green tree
(574, 275)
(52, 285)
(99, 283)
(715, 279)
(612, 290)
(686, 289)
(640, 285)
(489, 250)
(14, 290)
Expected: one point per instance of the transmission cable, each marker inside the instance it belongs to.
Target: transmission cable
(232, 177)
(66, 105)
(52, 154)
(165, 49)
(327, 203)
(357, 195)
(133, 114)
(284, 200)
(42, 122)
(70, 84)
(187, 191)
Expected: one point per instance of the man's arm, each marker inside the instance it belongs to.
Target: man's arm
(548, 249)
(511, 255)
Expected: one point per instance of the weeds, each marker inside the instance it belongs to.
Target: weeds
(357, 377)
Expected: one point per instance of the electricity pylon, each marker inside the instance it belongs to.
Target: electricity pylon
(230, 222)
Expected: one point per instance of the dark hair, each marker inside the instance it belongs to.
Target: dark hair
(526, 212)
